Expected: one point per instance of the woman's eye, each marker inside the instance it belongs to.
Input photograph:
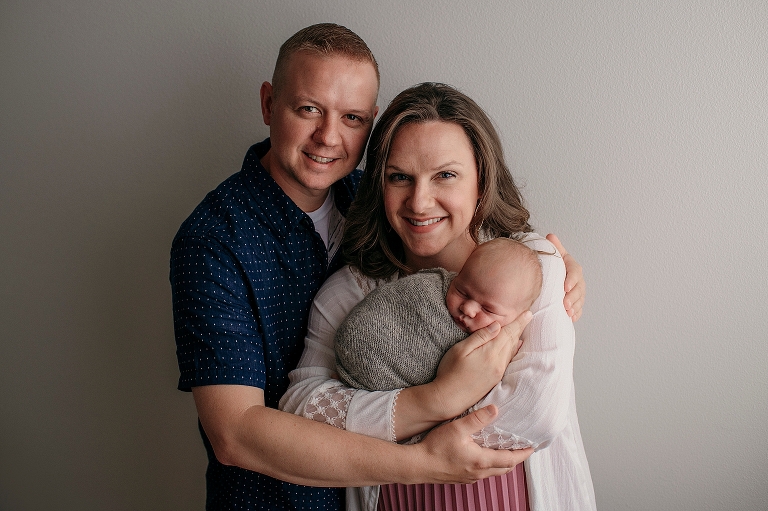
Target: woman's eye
(446, 175)
(395, 177)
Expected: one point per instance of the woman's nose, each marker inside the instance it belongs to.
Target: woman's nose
(421, 198)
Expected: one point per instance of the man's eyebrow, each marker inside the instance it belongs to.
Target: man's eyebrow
(305, 99)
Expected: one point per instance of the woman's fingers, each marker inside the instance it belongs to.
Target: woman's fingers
(515, 328)
(514, 331)
(475, 365)
(481, 337)
(556, 242)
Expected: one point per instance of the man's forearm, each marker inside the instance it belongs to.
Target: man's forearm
(302, 451)
(247, 434)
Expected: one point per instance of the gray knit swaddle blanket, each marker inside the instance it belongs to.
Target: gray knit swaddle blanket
(396, 336)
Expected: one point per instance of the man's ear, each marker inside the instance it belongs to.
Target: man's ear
(266, 102)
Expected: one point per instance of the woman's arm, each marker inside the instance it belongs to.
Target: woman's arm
(534, 395)
(575, 286)
(314, 393)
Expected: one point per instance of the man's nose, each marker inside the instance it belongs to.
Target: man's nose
(327, 132)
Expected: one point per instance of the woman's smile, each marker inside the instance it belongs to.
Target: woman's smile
(421, 223)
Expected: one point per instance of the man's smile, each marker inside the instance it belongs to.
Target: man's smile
(320, 159)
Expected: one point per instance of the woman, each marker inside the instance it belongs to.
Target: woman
(435, 186)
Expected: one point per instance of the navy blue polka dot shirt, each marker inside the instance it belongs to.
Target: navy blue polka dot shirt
(245, 267)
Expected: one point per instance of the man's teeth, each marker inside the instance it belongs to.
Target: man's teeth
(320, 159)
(426, 222)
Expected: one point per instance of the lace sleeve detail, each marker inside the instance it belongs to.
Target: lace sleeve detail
(494, 438)
(392, 419)
(330, 406)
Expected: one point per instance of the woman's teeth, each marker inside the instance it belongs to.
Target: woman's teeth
(426, 222)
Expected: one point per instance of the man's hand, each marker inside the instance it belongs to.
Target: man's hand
(467, 372)
(455, 458)
(575, 286)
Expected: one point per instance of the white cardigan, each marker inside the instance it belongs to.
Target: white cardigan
(536, 398)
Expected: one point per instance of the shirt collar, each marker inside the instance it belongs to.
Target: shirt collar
(276, 207)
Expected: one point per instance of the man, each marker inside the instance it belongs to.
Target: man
(244, 269)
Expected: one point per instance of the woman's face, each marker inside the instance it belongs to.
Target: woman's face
(431, 192)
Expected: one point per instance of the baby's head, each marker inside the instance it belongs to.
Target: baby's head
(500, 280)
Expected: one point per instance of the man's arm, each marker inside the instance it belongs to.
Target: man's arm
(245, 433)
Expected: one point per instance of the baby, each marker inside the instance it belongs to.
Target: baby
(398, 334)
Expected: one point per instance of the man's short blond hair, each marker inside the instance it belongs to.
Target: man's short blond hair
(323, 39)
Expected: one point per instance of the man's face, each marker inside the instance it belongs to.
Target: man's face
(319, 120)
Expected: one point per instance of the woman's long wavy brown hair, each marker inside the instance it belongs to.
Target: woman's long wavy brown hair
(369, 242)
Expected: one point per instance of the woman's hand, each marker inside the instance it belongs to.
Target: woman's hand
(467, 372)
(575, 285)
(472, 367)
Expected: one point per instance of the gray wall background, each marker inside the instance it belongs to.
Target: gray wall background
(639, 132)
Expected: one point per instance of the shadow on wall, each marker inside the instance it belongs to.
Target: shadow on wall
(144, 430)
(92, 393)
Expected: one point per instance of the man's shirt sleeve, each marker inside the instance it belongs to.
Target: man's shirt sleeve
(218, 338)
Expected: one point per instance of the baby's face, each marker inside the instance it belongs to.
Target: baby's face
(476, 300)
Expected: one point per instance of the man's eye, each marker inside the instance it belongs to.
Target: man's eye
(310, 109)
(353, 117)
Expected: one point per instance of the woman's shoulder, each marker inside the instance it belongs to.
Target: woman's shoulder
(537, 242)
(552, 267)
(550, 258)
(532, 240)
(349, 279)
